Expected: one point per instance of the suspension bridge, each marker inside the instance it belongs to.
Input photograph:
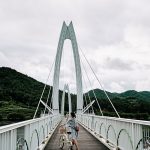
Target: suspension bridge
(96, 132)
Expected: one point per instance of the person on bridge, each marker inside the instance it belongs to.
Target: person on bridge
(72, 123)
(67, 116)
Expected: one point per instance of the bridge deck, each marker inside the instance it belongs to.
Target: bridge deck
(86, 141)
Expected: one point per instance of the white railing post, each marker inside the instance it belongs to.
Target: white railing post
(27, 135)
(118, 133)
(133, 140)
(92, 122)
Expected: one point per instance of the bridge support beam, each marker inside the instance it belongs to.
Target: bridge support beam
(67, 32)
(66, 87)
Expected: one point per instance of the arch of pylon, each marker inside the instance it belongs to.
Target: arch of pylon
(67, 32)
(66, 88)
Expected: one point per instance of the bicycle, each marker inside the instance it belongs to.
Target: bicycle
(65, 140)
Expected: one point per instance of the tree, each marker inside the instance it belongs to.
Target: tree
(1, 118)
(15, 117)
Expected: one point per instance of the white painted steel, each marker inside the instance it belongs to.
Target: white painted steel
(67, 32)
(66, 88)
(88, 106)
(46, 106)
(27, 135)
(118, 133)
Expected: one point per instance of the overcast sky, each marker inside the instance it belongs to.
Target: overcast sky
(114, 35)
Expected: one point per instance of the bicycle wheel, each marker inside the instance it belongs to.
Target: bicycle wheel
(70, 148)
(61, 142)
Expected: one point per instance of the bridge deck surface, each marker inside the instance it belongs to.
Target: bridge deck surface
(85, 140)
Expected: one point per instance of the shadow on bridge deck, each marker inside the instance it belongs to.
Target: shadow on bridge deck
(86, 141)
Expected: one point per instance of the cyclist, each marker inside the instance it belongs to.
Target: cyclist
(72, 124)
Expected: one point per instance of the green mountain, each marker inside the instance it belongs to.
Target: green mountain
(129, 104)
(143, 95)
(19, 88)
(19, 96)
(100, 94)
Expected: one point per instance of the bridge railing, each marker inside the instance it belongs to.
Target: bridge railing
(28, 135)
(118, 133)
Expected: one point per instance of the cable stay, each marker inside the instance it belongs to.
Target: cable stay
(84, 95)
(47, 99)
(92, 88)
(46, 106)
(85, 99)
(88, 93)
(43, 90)
(88, 106)
(99, 82)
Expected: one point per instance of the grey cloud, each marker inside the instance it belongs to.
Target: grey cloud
(117, 64)
(147, 66)
(29, 33)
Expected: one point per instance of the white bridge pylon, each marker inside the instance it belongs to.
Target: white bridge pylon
(67, 32)
(66, 88)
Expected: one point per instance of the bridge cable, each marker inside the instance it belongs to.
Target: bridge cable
(85, 98)
(47, 99)
(88, 94)
(100, 83)
(43, 90)
(92, 88)
(50, 105)
(85, 92)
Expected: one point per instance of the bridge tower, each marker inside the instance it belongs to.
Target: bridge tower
(67, 32)
(66, 88)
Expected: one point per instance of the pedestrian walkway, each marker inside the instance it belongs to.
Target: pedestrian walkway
(86, 141)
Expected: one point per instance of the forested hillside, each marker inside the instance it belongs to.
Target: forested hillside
(129, 104)
(19, 95)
